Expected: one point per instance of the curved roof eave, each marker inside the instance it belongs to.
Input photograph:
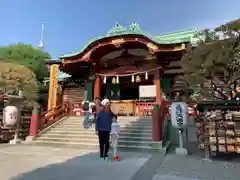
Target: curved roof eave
(118, 30)
(101, 38)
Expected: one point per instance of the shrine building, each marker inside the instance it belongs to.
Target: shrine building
(128, 66)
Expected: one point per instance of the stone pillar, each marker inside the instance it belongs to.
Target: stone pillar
(53, 87)
(97, 87)
(156, 126)
(157, 118)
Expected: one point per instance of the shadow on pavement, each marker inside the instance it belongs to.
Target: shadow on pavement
(89, 167)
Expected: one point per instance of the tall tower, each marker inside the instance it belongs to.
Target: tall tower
(41, 44)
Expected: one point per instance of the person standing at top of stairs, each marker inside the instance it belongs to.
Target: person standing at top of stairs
(92, 113)
(85, 107)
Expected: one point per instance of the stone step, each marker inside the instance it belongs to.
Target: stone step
(80, 128)
(136, 133)
(90, 133)
(119, 117)
(80, 145)
(93, 136)
(121, 122)
(121, 126)
(90, 145)
(94, 141)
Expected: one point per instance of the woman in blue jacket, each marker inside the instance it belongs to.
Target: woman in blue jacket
(103, 128)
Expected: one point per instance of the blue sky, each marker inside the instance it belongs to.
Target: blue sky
(69, 24)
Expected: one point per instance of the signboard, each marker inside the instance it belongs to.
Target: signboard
(179, 114)
(53, 86)
(147, 91)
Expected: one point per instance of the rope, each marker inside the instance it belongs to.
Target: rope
(131, 74)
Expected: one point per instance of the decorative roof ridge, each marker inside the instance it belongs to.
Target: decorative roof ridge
(178, 32)
(117, 28)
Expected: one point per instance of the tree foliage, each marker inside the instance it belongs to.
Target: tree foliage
(28, 56)
(212, 68)
(15, 77)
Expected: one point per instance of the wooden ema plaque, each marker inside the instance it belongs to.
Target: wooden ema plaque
(219, 129)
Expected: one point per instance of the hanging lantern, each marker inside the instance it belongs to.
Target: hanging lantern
(183, 46)
(146, 75)
(105, 80)
(10, 116)
(132, 78)
(113, 80)
(138, 79)
(117, 80)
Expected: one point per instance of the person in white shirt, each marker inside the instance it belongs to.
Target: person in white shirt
(115, 130)
(92, 113)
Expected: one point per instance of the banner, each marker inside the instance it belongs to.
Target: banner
(179, 114)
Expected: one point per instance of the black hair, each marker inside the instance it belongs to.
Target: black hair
(114, 116)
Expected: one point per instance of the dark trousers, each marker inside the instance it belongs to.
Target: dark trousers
(103, 137)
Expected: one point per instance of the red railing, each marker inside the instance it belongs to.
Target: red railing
(53, 115)
(144, 108)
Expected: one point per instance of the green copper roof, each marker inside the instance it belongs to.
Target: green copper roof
(134, 29)
(61, 76)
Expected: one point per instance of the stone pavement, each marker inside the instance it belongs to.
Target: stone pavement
(177, 167)
(24, 162)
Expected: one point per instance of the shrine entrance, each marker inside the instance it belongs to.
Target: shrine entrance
(125, 89)
(116, 64)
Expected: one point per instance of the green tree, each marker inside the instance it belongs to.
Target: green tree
(15, 77)
(212, 68)
(25, 54)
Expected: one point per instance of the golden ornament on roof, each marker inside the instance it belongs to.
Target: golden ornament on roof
(113, 80)
(138, 79)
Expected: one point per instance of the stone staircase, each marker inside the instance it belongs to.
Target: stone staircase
(136, 134)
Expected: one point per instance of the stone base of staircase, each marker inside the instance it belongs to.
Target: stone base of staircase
(135, 135)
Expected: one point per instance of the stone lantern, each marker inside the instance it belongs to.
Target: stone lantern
(12, 115)
(179, 112)
(180, 91)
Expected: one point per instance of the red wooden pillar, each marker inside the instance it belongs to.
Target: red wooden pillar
(158, 87)
(97, 87)
(33, 125)
(157, 117)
